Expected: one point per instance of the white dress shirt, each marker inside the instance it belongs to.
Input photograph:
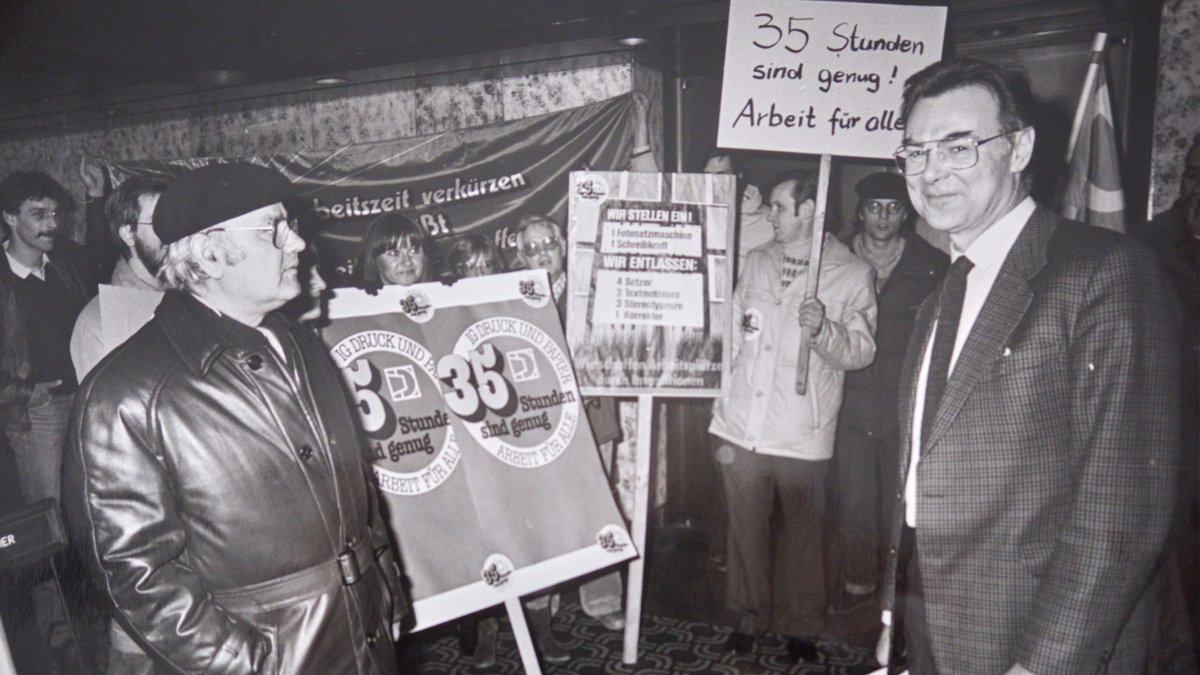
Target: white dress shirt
(21, 269)
(988, 253)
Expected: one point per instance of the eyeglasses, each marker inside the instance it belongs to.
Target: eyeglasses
(953, 153)
(891, 207)
(535, 248)
(281, 230)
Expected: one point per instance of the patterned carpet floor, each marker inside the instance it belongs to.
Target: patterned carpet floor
(668, 647)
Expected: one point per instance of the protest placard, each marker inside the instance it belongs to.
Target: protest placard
(647, 308)
(481, 450)
(822, 77)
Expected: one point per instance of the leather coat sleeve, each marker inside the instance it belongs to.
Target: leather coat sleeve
(125, 507)
(848, 342)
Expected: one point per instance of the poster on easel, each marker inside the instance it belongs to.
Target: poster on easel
(481, 450)
(650, 280)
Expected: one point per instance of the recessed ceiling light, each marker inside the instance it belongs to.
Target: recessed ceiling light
(336, 79)
(631, 41)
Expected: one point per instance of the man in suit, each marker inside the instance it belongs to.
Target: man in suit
(1038, 407)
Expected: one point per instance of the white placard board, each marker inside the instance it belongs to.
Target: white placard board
(822, 77)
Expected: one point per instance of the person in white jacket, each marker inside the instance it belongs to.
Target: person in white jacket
(777, 443)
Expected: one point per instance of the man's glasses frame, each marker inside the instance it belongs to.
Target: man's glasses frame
(956, 152)
(877, 207)
(281, 230)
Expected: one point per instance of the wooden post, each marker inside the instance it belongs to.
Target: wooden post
(6, 660)
(516, 615)
(641, 509)
(1093, 70)
(814, 269)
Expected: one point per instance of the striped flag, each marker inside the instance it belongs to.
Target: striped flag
(1093, 185)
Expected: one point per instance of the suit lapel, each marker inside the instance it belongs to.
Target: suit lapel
(1006, 304)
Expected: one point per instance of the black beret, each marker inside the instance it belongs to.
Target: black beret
(882, 185)
(212, 194)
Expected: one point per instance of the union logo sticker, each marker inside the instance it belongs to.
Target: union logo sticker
(416, 306)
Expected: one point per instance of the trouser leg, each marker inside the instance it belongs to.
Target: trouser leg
(910, 594)
(750, 494)
(858, 496)
(717, 511)
(38, 454)
(601, 595)
(38, 451)
(799, 586)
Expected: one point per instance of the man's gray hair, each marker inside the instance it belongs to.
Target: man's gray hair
(181, 268)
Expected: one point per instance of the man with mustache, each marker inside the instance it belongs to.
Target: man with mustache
(45, 280)
(214, 474)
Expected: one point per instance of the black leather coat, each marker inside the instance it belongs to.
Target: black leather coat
(214, 486)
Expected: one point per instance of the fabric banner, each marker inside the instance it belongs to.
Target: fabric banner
(647, 308)
(482, 452)
(479, 180)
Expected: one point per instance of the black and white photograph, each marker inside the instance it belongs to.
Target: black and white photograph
(655, 337)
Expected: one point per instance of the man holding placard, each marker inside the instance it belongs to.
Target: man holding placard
(1039, 409)
(779, 443)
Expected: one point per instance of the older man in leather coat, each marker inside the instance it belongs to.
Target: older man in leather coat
(214, 472)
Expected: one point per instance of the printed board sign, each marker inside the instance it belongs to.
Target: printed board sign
(822, 77)
(647, 291)
(481, 450)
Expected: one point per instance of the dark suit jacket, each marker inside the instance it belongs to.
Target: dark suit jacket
(1046, 488)
(869, 402)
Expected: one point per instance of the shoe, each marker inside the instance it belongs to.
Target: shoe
(613, 620)
(485, 652)
(738, 643)
(802, 650)
(543, 636)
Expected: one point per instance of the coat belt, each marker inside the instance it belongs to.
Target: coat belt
(310, 582)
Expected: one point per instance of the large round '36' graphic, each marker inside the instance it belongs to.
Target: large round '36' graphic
(396, 397)
(514, 388)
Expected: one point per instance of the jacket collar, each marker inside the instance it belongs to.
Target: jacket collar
(200, 335)
(833, 253)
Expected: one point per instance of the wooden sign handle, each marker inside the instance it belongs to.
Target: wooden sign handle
(814, 269)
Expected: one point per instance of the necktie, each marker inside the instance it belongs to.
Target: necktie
(949, 310)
